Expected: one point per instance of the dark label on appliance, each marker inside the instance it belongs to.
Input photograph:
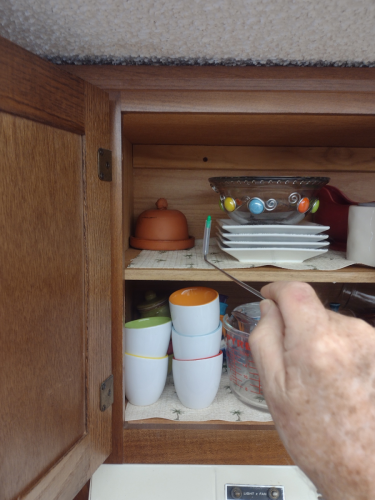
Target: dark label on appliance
(248, 492)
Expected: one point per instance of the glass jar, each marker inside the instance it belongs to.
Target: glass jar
(243, 376)
(154, 305)
(359, 300)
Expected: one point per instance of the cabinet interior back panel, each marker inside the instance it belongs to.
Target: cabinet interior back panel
(230, 129)
(189, 191)
(42, 335)
(276, 158)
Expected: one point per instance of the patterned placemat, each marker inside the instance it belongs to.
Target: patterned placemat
(193, 259)
(225, 407)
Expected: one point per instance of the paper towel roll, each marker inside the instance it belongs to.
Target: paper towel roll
(361, 234)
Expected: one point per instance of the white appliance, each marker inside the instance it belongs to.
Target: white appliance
(200, 482)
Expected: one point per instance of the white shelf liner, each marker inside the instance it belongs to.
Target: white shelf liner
(193, 259)
(225, 407)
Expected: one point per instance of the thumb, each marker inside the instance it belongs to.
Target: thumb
(267, 345)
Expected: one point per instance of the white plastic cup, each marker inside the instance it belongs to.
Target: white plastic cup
(195, 310)
(148, 337)
(144, 378)
(361, 234)
(197, 381)
(187, 347)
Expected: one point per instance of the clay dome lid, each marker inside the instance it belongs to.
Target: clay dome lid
(162, 229)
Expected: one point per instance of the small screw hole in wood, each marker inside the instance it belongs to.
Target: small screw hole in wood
(205, 159)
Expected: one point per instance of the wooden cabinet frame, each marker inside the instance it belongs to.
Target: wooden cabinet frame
(332, 111)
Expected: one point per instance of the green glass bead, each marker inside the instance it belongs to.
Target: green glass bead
(315, 206)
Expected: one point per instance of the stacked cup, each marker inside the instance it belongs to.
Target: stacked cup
(146, 360)
(196, 336)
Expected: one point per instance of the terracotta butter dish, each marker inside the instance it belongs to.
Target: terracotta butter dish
(162, 229)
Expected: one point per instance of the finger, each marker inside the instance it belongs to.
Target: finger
(267, 347)
(302, 312)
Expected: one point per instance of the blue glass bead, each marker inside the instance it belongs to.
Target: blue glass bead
(256, 206)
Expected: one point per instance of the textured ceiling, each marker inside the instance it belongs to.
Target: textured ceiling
(313, 32)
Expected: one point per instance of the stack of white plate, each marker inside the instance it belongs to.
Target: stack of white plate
(272, 243)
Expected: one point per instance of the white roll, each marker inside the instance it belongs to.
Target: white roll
(361, 234)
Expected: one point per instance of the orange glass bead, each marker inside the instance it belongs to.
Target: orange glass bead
(303, 205)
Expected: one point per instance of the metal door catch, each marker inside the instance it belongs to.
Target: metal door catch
(105, 164)
(106, 393)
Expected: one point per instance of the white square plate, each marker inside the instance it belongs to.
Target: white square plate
(303, 238)
(272, 244)
(271, 255)
(301, 228)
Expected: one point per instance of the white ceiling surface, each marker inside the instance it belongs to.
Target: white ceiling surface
(198, 31)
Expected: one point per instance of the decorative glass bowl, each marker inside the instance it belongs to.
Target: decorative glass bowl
(268, 200)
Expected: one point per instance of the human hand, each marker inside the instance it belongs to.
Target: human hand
(317, 370)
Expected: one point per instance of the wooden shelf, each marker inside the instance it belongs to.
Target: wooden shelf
(215, 442)
(351, 274)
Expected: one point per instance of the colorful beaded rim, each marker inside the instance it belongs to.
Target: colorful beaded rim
(257, 205)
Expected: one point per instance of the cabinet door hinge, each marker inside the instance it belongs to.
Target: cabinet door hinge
(105, 164)
(106, 393)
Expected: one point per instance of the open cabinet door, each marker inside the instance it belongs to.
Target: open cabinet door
(55, 279)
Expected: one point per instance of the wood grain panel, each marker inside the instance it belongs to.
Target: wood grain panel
(227, 78)
(117, 280)
(98, 262)
(33, 88)
(249, 130)
(84, 494)
(67, 477)
(204, 446)
(249, 158)
(55, 278)
(42, 309)
(192, 195)
(183, 101)
(128, 192)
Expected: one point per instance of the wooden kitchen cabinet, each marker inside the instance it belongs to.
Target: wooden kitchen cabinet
(170, 129)
(181, 126)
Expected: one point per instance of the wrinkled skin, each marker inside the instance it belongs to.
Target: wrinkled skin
(317, 370)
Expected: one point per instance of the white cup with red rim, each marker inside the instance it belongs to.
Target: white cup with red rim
(197, 381)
